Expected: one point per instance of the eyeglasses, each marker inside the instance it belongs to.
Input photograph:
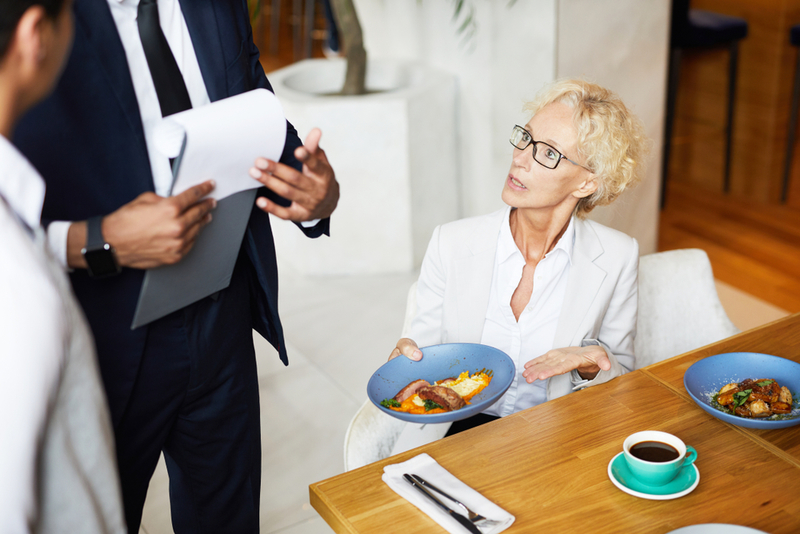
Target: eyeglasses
(543, 153)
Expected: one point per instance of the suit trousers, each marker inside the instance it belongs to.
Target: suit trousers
(196, 399)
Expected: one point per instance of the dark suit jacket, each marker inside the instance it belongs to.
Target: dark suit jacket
(88, 142)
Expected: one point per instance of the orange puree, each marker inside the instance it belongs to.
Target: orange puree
(474, 385)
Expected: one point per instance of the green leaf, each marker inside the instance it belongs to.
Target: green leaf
(765, 383)
(741, 397)
(390, 403)
(430, 405)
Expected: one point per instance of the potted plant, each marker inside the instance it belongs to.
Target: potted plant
(388, 131)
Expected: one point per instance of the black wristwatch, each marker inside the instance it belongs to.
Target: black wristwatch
(101, 259)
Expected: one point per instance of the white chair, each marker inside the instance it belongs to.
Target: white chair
(679, 310)
(372, 435)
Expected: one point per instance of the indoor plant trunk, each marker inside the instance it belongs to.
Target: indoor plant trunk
(353, 45)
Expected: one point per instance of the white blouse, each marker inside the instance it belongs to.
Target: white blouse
(533, 334)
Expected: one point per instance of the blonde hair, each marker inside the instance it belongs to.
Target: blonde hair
(611, 138)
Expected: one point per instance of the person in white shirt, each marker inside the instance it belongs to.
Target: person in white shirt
(554, 291)
(57, 463)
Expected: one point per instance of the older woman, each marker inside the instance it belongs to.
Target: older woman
(554, 291)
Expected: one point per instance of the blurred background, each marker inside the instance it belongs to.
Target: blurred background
(428, 143)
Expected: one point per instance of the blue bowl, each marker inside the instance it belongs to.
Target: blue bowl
(706, 377)
(439, 362)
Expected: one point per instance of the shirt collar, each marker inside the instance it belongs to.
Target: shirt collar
(20, 184)
(507, 247)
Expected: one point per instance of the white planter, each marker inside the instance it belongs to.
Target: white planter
(394, 154)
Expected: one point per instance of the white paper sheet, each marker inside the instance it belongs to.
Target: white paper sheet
(223, 140)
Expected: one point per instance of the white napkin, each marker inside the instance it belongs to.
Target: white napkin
(426, 467)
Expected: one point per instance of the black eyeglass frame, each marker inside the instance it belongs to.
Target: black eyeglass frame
(535, 143)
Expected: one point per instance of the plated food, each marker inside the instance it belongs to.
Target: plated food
(438, 362)
(705, 378)
(762, 397)
(446, 395)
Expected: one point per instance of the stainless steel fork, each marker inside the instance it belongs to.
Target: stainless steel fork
(477, 519)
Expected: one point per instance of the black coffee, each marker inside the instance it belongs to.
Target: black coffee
(654, 451)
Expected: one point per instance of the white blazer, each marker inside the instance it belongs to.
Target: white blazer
(600, 303)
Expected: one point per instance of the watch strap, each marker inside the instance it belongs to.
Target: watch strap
(94, 233)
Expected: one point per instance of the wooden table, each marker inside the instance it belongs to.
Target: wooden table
(548, 465)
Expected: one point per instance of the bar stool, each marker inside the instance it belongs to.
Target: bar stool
(794, 39)
(695, 28)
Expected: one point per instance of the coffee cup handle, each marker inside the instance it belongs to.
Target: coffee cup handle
(691, 456)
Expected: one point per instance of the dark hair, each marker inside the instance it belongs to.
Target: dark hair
(12, 10)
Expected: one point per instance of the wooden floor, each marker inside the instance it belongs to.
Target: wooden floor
(753, 247)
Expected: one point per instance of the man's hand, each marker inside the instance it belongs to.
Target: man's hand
(408, 348)
(588, 361)
(314, 192)
(150, 231)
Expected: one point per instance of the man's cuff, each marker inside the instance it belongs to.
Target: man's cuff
(310, 224)
(57, 241)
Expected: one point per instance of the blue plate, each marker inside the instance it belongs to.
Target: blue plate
(439, 362)
(706, 377)
(622, 477)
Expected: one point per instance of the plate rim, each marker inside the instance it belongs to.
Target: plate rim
(445, 417)
(759, 424)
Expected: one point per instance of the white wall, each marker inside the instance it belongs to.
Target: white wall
(627, 53)
(517, 50)
(511, 57)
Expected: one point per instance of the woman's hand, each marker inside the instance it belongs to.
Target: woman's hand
(588, 361)
(408, 348)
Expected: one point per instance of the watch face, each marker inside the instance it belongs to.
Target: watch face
(101, 262)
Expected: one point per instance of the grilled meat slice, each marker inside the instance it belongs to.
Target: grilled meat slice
(443, 396)
(410, 389)
(781, 407)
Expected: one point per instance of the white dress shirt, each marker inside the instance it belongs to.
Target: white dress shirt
(177, 34)
(47, 370)
(533, 334)
(175, 30)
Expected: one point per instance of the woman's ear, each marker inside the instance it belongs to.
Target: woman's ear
(587, 187)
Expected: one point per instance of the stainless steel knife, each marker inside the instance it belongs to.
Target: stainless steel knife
(458, 517)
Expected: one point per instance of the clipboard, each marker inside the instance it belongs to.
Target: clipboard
(206, 269)
(219, 141)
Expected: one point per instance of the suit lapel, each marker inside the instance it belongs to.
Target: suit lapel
(584, 282)
(472, 272)
(201, 19)
(94, 21)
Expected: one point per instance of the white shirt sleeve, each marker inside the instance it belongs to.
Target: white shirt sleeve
(31, 354)
(57, 240)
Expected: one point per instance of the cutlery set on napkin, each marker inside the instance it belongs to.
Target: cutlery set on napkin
(444, 498)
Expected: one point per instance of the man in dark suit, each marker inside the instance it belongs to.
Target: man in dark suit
(185, 384)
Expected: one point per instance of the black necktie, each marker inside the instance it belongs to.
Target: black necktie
(170, 87)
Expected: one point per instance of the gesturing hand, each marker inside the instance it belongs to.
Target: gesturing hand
(587, 360)
(408, 348)
(314, 192)
(151, 230)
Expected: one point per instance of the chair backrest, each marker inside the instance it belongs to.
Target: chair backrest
(679, 309)
(372, 435)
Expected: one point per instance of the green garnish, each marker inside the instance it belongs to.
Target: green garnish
(765, 383)
(741, 397)
(390, 403)
(430, 405)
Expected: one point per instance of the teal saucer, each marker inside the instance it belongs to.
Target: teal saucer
(621, 476)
